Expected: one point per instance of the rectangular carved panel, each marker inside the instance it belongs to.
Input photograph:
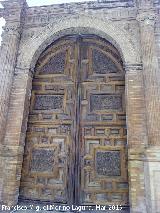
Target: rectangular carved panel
(108, 163)
(105, 102)
(42, 160)
(48, 102)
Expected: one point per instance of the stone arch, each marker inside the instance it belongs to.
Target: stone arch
(31, 49)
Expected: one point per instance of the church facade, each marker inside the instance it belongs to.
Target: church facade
(80, 104)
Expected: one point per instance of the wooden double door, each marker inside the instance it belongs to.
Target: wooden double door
(76, 139)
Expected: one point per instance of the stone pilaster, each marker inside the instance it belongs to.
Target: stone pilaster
(13, 14)
(151, 74)
(146, 18)
(137, 136)
(135, 102)
(13, 147)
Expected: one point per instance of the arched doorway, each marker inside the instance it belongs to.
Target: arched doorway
(76, 138)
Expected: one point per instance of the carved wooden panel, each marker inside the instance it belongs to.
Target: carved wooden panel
(108, 163)
(55, 65)
(48, 102)
(42, 160)
(105, 102)
(101, 63)
(76, 138)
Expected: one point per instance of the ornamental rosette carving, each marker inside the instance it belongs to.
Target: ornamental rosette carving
(147, 18)
(12, 29)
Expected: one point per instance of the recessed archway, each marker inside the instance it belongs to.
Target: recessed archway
(30, 50)
(76, 143)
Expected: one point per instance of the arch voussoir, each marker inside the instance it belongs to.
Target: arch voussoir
(121, 39)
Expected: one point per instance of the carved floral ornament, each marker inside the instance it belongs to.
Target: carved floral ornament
(147, 18)
(12, 26)
(11, 30)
